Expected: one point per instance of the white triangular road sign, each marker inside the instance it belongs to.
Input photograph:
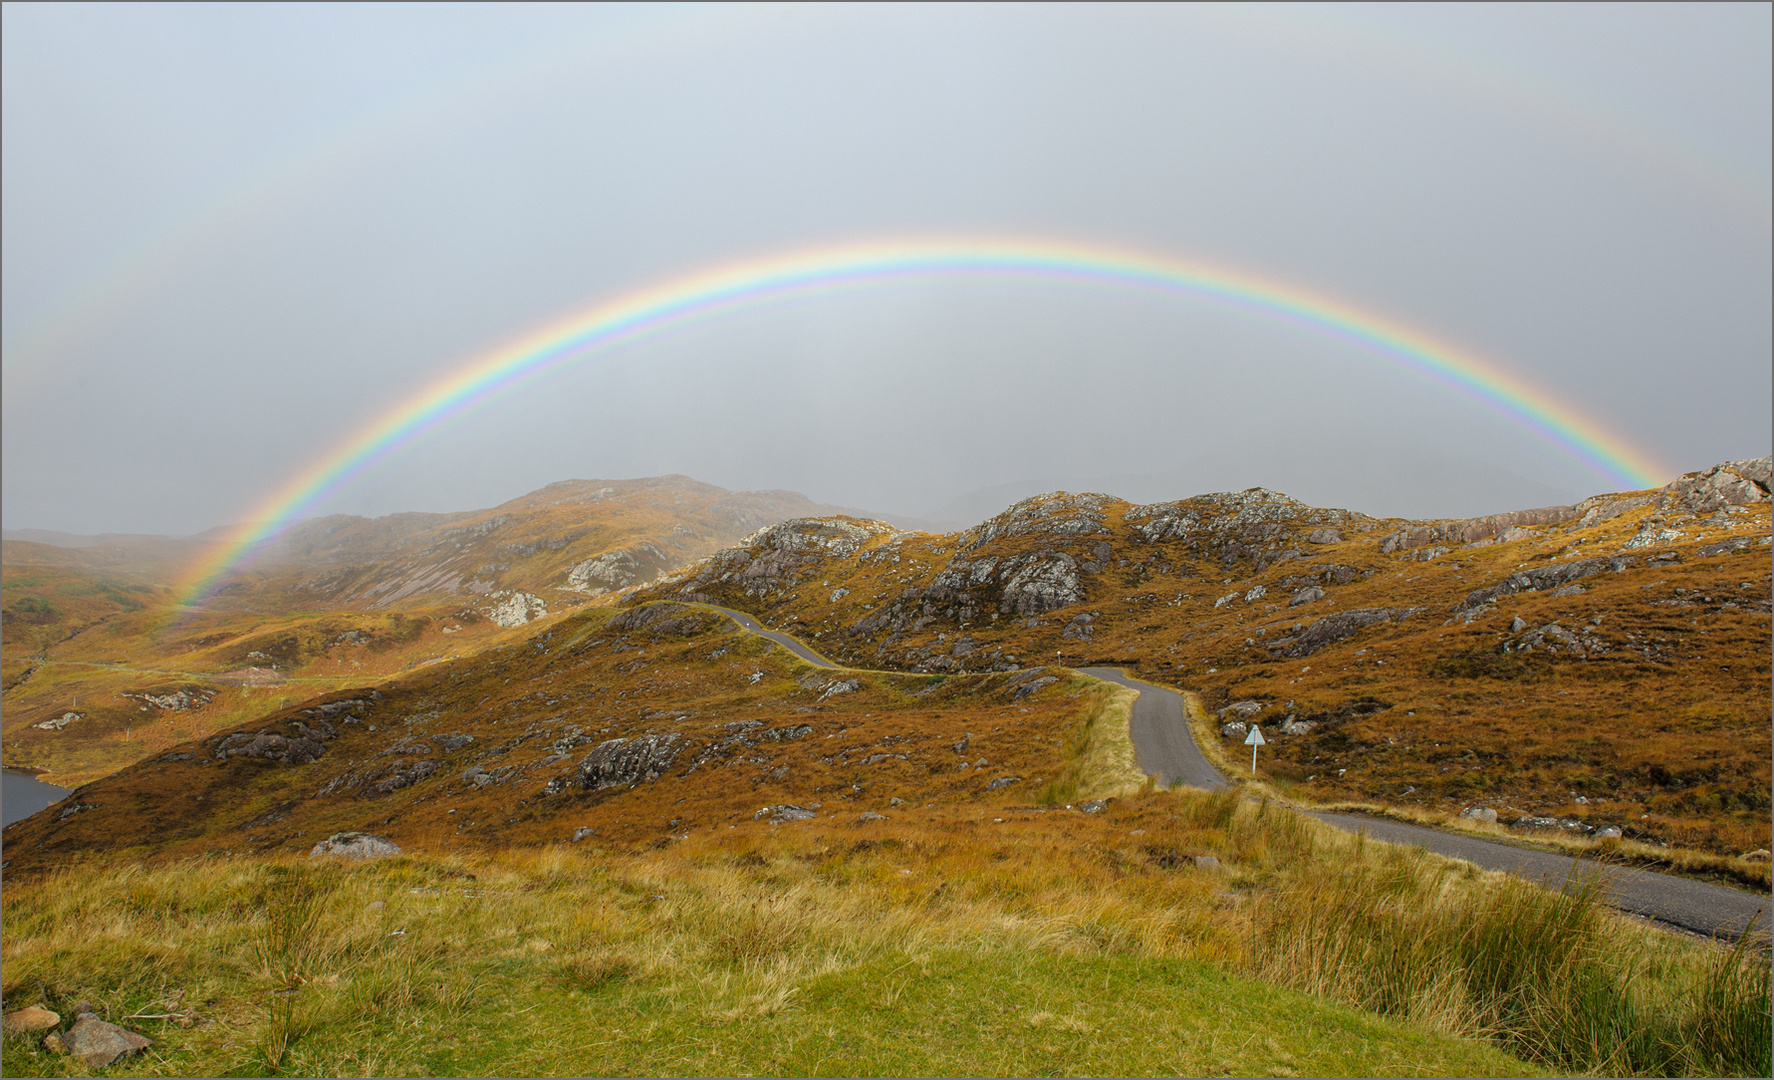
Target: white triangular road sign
(1255, 738)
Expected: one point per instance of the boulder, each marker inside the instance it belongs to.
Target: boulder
(355, 845)
(1094, 806)
(97, 1043)
(1293, 726)
(1758, 855)
(1236, 729)
(1334, 628)
(582, 832)
(1206, 862)
(626, 761)
(1306, 596)
(870, 815)
(1608, 832)
(1003, 782)
(785, 812)
(1479, 813)
(28, 1019)
(1324, 536)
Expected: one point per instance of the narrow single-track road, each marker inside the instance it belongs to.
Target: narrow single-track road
(1166, 749)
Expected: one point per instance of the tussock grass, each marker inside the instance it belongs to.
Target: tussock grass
(1100, 759)
(1042, 942)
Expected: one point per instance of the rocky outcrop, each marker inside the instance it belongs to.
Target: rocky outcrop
(175, 701)
(1334, 628)
(1540, 577)
(1060, 514)
(616, 762)
(511, 608)
(355, 845)
(1733, 483)
(619, 569)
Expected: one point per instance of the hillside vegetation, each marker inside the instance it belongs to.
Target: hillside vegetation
(1600, 665)
(636, 820)
(95, 635)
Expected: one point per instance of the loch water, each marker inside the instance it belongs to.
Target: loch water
(22, 795)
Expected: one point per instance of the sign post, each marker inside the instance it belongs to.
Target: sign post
(1254, 740)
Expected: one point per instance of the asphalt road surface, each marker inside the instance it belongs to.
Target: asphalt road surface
(784, 640)
(1166, 749)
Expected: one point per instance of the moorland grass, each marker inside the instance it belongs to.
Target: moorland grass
(1038, 943)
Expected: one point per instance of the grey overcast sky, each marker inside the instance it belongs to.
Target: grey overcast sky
(233, 235)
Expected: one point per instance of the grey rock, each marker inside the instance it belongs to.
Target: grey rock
(355, 845)
(1003, 782)
(789, 812)
(98, 1044)
(615, 762)
(582, 832)
(1292, 726)
(1324, 536)
(870, 815)
(1608, 832)
(1306, 596)
(1206, 862)
(1733, 483)
(1479, 813)
(1235, 729)
(1094, 806)
(896, 801)
(1518, 625)
(1334, 628)
(1572, 589)
(1243, 708)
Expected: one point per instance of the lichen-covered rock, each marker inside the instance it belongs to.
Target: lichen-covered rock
(1542, 577)
(515, 608)
(615, 762)
(98, 1044)
(619, 569)
(1057, 514)
(1306, 596)
(1045, 581)
(1733, 483)
(1334, 628)
(298, 743)
(355, 845)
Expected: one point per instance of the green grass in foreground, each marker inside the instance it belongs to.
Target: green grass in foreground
(1026, 943)
(944, 1012)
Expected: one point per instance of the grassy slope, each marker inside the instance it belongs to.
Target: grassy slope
(1666, 733)
(941, 942)
(327, 606)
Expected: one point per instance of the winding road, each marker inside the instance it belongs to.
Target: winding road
(1166, 749)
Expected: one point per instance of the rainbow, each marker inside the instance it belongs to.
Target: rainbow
(659, 306)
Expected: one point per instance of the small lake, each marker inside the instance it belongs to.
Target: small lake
(22, 795)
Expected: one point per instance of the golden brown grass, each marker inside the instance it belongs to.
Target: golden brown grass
(813, 947)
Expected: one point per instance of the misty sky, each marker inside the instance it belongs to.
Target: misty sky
(234, 235)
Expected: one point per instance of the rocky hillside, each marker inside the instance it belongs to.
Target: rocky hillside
(632, 726)
(93, 634)
(1605, 662)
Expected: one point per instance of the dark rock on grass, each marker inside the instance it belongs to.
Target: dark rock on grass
(1094, 806)
(355, 845)
(627, 761)
(1334, 628)
(96, 1043)
(1003, 782)
(870, 815)
(785, 812)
